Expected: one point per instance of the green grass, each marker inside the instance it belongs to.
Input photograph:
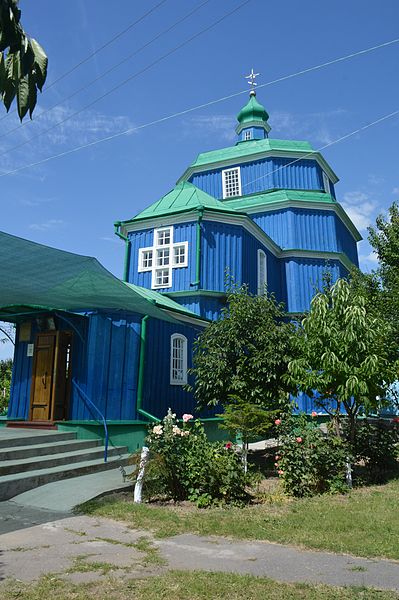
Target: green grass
(179, 585)
(364, 522)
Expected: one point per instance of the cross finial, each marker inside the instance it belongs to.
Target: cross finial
(252, 76)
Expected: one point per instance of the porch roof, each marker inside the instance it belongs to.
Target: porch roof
(36, 278)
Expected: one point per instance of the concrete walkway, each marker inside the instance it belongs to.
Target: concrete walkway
(62, 545)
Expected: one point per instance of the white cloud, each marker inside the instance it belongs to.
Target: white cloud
(113, 240)
(395, 191)
(222, 126)
(50, 224)
(359, 208)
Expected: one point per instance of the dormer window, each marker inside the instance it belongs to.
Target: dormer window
(231, 180)
(326, 183)
(247, 134)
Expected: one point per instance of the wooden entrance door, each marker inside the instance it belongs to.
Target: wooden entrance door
(50, 376)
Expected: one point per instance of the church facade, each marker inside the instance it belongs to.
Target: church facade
(262, 212)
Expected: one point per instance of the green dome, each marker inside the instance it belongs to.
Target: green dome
(252, 111)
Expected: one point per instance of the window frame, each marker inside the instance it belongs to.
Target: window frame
(326, 183)
(141, 268)
(261, 286)
(224, 172)
(247, 135)
(172, 379)
(180, 245)
(154, 284)
(162, 230)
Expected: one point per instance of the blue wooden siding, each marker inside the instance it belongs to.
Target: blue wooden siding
(182, 277)
(305, 229)
(266, 174)
(159, 395)
(110, 369)
(205, 306)
(222, 248)
(304, 278)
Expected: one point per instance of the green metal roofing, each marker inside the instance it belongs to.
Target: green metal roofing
(184, 197)
(162, 301)
(248, 202)
(250, 148)
(252, 111)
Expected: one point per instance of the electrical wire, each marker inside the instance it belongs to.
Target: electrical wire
(133, 76)
(112, 68)
(131, 130)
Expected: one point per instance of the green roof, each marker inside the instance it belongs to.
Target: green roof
(36, 278)
(250, 148)
(252, 111)
(184, 197)
(163, 301)
(246, 202)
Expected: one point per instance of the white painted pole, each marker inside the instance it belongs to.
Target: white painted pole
(138, 488)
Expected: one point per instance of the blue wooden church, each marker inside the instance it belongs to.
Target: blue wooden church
(89, 345)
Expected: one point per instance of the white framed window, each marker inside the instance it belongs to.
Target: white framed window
(163, 237)
(262, 272)
(247, 134)
(161, 278)
(231, 181)
(180, 255)
(145, 259)
(178, 359)
(326, 183)
(163, 257)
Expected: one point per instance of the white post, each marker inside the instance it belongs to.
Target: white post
(140, 477)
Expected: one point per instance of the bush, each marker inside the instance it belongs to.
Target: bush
(308, 461)
(376, 449)
(184, 465)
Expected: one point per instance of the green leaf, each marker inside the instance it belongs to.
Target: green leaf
(41, 62)
(32, 94)
(9, 93)
(2, 72)
(23, 97)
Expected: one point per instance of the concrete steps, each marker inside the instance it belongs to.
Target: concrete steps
(32, 459)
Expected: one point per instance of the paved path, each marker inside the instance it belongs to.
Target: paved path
(64, 544)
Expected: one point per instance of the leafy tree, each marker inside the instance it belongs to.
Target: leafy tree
(344, 353)
(244, 355)
(5, 383)
(23, 62)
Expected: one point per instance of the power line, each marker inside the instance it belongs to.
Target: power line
(340, 139)
(121, 84)
(116, 65)
(111, 137)
(105, 45)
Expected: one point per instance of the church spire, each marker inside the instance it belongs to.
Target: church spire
(252, 118)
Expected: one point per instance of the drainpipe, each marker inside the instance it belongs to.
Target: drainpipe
(197, 281)
(140, 383)
(127, 250)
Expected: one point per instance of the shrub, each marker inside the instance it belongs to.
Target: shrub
(308, 461)
(375, 447)
(184, 465)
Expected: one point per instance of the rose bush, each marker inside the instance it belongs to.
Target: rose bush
(184, 465)
(308, 461)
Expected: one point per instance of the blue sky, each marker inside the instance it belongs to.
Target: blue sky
(72, 202)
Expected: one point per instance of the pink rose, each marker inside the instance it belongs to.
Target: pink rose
(314, 413)
(228, 445)
(299, 440)
(276, 464)
(277, 422)
(277, 457)
(186, 417)
(280, 472)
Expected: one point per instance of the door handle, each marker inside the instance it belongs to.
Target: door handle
(44, 379)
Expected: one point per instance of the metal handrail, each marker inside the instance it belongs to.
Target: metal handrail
(87, 399)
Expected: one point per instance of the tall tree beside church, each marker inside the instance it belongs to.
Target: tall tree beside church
(23, 62)
(243, 356)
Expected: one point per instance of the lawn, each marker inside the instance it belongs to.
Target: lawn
(363, 523)
(179, 585)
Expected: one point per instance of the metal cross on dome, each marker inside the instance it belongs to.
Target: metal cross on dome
(252, 76)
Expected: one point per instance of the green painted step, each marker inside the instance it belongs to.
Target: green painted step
(12, 485)
(9, 467)
(46, 449)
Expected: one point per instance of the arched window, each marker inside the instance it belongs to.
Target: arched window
(178, 359)
(262, 272)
